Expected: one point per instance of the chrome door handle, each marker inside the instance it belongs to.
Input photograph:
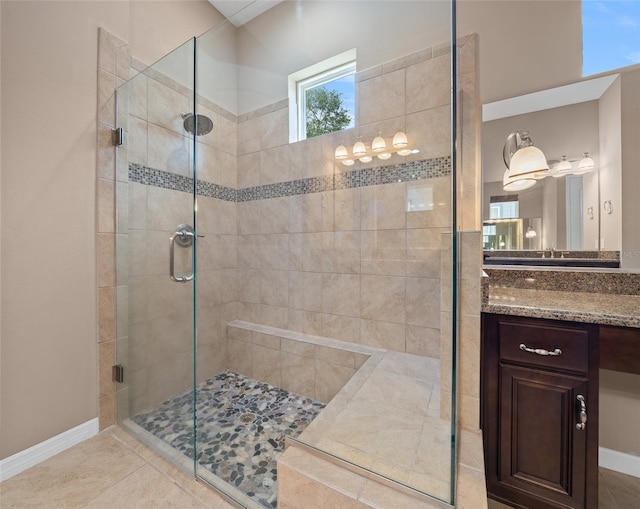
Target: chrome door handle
(540, 351)
(183, 236)
(583, 413)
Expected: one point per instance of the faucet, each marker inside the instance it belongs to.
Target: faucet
(552, 249)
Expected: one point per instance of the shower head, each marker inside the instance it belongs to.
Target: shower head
(204, 125)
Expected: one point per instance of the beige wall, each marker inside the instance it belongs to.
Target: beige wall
(619, 411)
(610, 166)
(380, 32)
(49, 82)
(531, 45)
(157, 27)
(1, 425)
(630, 88)
(518, 57)
(514, 35)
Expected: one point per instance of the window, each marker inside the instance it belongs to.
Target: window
(504, 207)
(610, 35)
(322, 97)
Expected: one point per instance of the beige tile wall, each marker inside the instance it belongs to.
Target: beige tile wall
(113, 68)
(470, 252)
(350, 264)
(306, 368)
(155, 315)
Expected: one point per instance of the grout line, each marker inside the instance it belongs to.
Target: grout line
(177, 482)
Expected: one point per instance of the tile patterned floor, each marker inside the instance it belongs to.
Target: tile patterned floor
(111, 469)
(615, 491)
(242, 423)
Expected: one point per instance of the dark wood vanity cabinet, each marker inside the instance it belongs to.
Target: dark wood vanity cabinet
(539, 411)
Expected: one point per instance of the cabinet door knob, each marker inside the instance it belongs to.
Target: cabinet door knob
(583, 413)
(540, 351)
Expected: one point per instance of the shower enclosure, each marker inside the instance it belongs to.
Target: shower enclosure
(272, 289)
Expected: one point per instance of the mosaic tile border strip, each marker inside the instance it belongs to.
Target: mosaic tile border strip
(365, 177)
(158, 178)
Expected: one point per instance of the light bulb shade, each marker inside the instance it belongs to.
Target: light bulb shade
(378, 144)
(510, 184)
(564, 165)
(562, 169)
(366, 159)
(527, 161)
(404, 152)
(400, 140)
(348, 162)
(384, 155)
(586, 164)
(359, 149)
(341, 152)
(531, 233)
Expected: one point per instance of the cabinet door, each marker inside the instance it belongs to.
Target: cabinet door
(541, 451)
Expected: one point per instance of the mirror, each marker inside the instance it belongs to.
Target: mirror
(557, 213)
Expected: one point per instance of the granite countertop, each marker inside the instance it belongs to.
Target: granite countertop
(601, 308)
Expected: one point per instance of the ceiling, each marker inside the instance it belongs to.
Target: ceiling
(574, 93)
(240, 12)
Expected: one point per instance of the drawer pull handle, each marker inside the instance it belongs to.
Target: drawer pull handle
(540, 351)
(583, 413)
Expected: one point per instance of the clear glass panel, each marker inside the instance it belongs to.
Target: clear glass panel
(155, 203)
(326, 309)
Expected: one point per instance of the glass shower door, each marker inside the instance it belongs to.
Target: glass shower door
(156, 255)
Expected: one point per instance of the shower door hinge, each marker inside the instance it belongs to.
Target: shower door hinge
(118, 136)
(118, 373)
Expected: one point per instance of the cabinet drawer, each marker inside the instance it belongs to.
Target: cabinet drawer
(567, 346)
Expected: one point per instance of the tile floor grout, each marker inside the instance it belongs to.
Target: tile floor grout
(61, 480)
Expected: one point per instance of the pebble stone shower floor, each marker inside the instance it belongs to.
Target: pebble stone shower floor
(242, 423)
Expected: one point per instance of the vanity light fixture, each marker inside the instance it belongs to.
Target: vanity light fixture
(341, 152)
(564, 165)
(526, 159)
(530, 233)
(562, 169)
(378, 144)
(400, 140)
(379, 149)
(523, 160)
(359, 149)
(510, 184)
(586, 164)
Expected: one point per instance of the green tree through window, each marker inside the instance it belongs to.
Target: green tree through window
(325, 112)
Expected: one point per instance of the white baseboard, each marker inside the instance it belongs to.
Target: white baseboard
(619, 461)
(44, 450)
